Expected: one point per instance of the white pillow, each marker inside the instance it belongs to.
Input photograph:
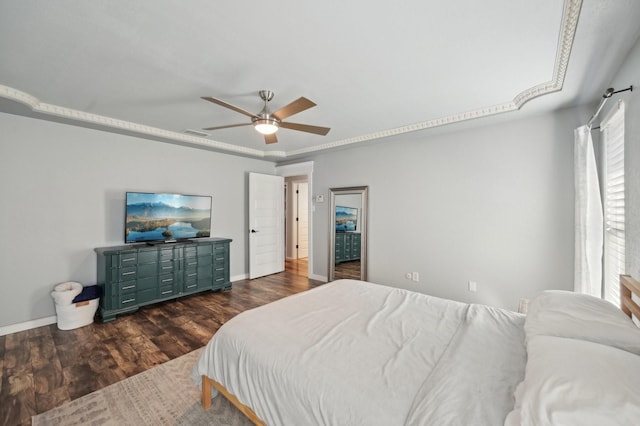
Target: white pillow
(580, 316)
(575, 382)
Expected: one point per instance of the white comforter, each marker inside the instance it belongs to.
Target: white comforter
(356, 353)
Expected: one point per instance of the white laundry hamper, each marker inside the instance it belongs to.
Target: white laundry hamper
(72, 309)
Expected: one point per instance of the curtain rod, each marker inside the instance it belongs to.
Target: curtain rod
(607, 94)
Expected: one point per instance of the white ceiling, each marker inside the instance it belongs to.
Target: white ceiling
(375, 69)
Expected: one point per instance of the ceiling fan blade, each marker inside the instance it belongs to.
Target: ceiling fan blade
(306, 128)
(272, 138)
(228, 105)
(227, 126)
(294, 107)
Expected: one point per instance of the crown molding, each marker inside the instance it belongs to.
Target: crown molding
(102, 121)
(569, 22)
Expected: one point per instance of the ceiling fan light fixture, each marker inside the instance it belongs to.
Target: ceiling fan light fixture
(266, 126)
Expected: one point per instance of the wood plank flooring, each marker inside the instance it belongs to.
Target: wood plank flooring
(45, 367)
(348, 270)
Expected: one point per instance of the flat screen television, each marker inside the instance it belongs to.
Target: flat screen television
(156, 217)
(346, 219)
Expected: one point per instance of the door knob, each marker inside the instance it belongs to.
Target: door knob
(253, 231)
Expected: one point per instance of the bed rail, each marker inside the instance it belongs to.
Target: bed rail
(629, 287)
(207, 383)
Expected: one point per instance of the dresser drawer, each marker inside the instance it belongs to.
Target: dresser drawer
(147, 270)
(127, 300)
(205, 249)
(204, 260)
(191, 273)
(126, 274)
(147, 256)
(167, 279)
(147, 283)
(146, 296)
(166, 254)
(127, 258)
(205, 271)
(190, 286)
(190, 251)
(166, 266)
(166, 291)
(127, 287)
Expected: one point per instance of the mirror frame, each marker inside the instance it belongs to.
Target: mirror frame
(363, 191)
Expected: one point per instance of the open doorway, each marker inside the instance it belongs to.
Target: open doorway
(297, 224)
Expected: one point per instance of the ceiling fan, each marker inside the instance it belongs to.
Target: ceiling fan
(267, 122)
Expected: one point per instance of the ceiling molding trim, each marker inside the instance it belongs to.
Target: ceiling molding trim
(75, 115)
(451, 119)
(569, 22)
(568, 25)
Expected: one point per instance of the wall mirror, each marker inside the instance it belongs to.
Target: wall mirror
(348, 233)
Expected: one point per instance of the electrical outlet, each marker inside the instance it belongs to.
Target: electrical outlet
(408, 275)
(415, 276)
(320, 198)
(473, 286)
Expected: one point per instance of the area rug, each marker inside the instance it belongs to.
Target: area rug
(164, 395)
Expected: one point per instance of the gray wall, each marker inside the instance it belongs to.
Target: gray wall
(63, 194)
(629, 74)
(493, 205)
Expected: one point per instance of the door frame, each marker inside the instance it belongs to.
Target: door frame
(297, 169)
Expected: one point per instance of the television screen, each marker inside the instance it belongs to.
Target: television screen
(346, 219)
(166, 217)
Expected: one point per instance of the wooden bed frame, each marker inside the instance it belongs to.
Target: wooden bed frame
(628, 288)
(207, 383)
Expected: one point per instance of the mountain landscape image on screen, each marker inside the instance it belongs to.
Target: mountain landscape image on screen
(346, 218)
(184, 217)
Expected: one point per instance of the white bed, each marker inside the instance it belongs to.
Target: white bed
(356, 353)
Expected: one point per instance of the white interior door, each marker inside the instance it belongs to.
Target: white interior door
(303, 219)
(266, 225)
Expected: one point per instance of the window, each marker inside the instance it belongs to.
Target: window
(612, 129)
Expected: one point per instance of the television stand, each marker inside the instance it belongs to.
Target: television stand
(136, 275)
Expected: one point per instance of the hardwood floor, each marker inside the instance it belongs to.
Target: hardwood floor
(45, 367)
(297, 266)
(349, 270)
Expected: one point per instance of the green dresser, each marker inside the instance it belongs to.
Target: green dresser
(348, 245)
(131, 276)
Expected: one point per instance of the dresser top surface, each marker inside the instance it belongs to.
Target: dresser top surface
(137, 246)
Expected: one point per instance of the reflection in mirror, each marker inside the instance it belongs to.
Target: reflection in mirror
(348, 233)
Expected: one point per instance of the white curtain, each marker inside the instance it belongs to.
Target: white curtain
(588, 217)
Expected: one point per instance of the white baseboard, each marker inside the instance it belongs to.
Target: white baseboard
(322, 278)
(239, 277)
(28, 325)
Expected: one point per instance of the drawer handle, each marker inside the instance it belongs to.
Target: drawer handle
(219, 269)
(131, 259)
(168, 260)
(192, 275)
(128, 287)
(219, 279)
(219, 258)
(167, 280)
(128, 300)
(192, 263)
(129, 273)
(167, 292)
(167, 267)
(191, 286)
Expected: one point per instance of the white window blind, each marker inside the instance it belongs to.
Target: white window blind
(612, 129)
